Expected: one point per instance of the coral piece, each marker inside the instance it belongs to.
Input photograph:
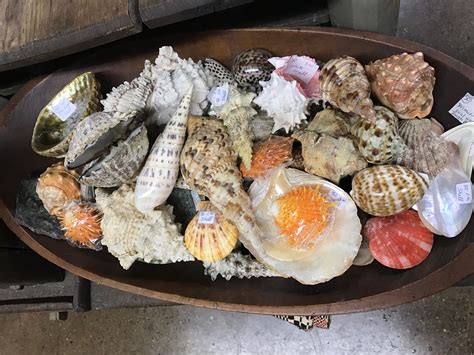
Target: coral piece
(130, 235)
(329, 121)
(404, 83)
(160, 172)
(237, 114)
(217, 71)
(379, 142)
(344, 84)
(237, 265)
(81, 224)
(329, 157)
(282, 101)
(56, 187)
(57, 120)
(210, 236)
(267, 155)
(250, 67)
(400, 241)
(385, 190)
(427, 152)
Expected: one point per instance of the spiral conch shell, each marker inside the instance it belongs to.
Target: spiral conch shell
(130, 235)
(160, 172)
(344, 84)
(384, 190)
(209, 236)
(404, 83)
(56, 187)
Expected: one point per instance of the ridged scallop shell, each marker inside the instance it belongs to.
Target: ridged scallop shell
(329, 157)
(160, 172)
(56, 187)
(400, 241)
(282, 101)
(378, 142)
(385, 190)
(344, 84)
(267, 155)
(404, 83)
(250, 67)
(427, 152)
(81, 224)
(210, 239)
(219, 73)
(130, 235)
(329, 121)
(51, 134)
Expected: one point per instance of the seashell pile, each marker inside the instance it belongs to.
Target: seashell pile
(213, 126)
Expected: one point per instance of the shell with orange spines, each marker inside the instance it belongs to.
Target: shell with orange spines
(304, 214)
(267, 155)
(211, 239)
(81, 224)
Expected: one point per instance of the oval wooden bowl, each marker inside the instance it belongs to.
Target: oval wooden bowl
(359, 289)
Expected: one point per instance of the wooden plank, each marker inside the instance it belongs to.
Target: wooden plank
(35, 31)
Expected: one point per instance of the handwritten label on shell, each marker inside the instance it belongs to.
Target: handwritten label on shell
(464, 193)
(218, 95)
(206, 217)
(63, 108)
(464, 109)
(301, 68)
(334, 196)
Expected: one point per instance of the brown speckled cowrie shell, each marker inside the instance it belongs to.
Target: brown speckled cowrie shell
(251, 66)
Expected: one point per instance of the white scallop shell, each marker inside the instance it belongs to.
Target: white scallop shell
(283, 101)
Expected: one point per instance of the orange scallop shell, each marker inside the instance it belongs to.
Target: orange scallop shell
(267, 155)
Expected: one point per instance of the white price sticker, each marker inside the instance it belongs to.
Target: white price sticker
(464, 109)
(464, 193)
(301, 68)
(206, 217)
(218, 95)
(63, 108)
(334, 196)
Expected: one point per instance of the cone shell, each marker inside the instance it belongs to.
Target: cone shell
(267, 155)
(213, 239)
(404, 83)
(385, 190)
(51, 135)
(56, 187)
(400, 241)
(81, 224)
(344, 84)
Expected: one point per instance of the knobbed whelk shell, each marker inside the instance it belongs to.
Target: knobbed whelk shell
(56, 187)
(58, 119)
(385, 190)
(344, 84)
(160, 172)
(210, 236)
(404, 83)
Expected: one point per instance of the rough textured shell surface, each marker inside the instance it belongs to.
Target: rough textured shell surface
(160, 172)
(403, 83)
(282, 101)
(56, 187)
(400, 241)
(427, 152)
(378, 142)
(130, 235)
(385, 190)
(250, 67)
(52, 134)
(330, 121)
(210, 239)
(217, 71)
(237, 265)
(262, 125)
(329, 157)
(344, 84)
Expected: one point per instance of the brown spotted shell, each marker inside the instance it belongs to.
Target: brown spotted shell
(56, 187)
(251, 66)
(344, 84)
(404, 83)
(385, 190)
(210, 239)
(378, 142)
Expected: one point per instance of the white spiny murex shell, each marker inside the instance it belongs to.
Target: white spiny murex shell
(160, 172)
(130, 235)
(283, 101)
(237, 114)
